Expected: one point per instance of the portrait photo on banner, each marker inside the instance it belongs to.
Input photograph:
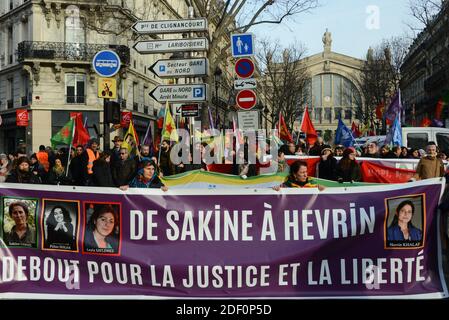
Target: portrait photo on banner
(405, 222)
(19, 221)
(102, 230)
(60, 224)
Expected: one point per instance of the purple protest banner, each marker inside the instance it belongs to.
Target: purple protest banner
(77, 242)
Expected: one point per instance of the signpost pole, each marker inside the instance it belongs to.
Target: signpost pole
(106, 135)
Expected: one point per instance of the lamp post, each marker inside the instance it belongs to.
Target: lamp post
(217, 78)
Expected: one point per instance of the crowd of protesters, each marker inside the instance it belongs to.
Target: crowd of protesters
(88, 166)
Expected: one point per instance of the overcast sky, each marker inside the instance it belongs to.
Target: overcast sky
(355, 25)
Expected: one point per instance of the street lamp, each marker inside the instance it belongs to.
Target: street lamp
(217, 78)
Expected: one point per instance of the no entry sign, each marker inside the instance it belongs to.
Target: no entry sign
(244, 67)
(246, 99)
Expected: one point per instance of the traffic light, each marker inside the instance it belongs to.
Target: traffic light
(111, 112)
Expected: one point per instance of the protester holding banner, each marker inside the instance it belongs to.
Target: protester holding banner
(148, 177)
(401, 228)
(429, 166)
(100, 235)
(59, 229)
(298, 177)
(124, 170)
(21, 234)
(348, 170)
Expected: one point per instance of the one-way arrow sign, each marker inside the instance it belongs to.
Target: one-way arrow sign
(168, 68)
(179, 93)
(172, 45)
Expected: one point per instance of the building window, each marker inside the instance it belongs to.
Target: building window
(328, 114)
(10, 45)
(74, 30)
(26, 90)
(348, 114)
(337, 90)
(327, 86)
(75, 88)
(318, 114)
(337, 113)
(316, 91)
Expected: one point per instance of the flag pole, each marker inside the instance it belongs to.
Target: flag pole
(302, 121)
(70, 148)
(167, 105)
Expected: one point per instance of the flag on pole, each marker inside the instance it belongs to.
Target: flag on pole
(81, 136)
(131, 140)
(308, 128)
(238, 135)
(394, 136)
(169, 131)
(355, 130)
(439, 108)
(284, 134)
(344, 135)
(65, 135)
(380, 110)
(426, 122)
(395, 108)
(148, 138)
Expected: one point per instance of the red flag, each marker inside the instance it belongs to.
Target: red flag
(81, 134)
(355, 130)
(284, 134)
(377, 173)
(439, 109)
(308, 128)
(426, 122)
(380, 110)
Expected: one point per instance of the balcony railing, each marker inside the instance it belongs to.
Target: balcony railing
(67, 51)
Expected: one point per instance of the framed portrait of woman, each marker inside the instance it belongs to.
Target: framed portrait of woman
(405, 222)
(60, 224)
(102, 230)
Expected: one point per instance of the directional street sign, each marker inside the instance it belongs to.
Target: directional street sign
(244, 67)
(246, 99)
(242, 44)
(106, 63)
(167, 68)
(179, 93)
(172, 45)
(170, 26)
(241, 84)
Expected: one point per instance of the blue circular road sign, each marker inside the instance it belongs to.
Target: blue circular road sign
(106, 63)
(244, 67)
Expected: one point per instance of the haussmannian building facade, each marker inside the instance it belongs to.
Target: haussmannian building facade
(46, 51)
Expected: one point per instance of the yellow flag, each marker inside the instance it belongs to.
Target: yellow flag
(169, 131)
(131, 140)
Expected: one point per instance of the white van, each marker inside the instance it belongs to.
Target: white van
(418, 137)
(414, 137)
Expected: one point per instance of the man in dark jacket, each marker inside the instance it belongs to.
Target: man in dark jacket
(124, 170)
(165, 163)
(76, 168)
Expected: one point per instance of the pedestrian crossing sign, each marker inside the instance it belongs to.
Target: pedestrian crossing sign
(107, 88)
(242, 44)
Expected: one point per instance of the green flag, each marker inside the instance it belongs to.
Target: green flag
(65, 135)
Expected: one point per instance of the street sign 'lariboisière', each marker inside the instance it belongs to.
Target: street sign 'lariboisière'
(179, 93)
(172, 45)
(168, 68)
(170, 26)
